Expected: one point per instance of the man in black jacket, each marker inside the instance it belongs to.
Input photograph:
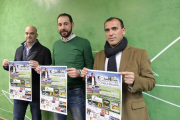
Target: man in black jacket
(13, 68)
(92, 80)
(45, 74)
(32, 51)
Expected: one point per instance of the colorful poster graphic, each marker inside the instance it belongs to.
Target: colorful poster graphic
(53, 94)
(20, 80)
(103, 95)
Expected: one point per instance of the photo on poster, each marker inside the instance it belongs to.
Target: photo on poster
(103, 95)
(20, 83)
(53, 89)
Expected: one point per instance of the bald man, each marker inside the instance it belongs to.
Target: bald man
(32, 51)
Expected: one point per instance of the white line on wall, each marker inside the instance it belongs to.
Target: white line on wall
(168, 86)
(95, 51)
(164, 85)
(6, 96)
(165, 48)
(11, 103)
(6, 110)
(161, 100)
(155, 74)
(1, 94)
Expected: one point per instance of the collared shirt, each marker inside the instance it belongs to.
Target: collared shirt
(46, 75)
(93, 81)
(118, 61)
(14, 70)
(27, 49)
(69, 38)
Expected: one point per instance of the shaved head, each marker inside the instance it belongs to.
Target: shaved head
(30, 35)
(32, 28)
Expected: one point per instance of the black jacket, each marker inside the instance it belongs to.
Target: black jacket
(38, 53)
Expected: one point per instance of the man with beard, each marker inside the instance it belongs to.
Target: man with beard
(32, 51)
(132, 63)
(75, 53)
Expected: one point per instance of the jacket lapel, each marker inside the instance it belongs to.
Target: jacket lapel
(33, 52)
(124, 58)
(102, 63)
(19, 56)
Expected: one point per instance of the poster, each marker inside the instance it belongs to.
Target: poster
(20, 84)
(103, 95)
(53, 89)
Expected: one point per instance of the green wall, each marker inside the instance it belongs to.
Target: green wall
(150, 24)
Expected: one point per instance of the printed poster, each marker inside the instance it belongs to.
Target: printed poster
(103, 95)
(53, 94)
(20, 84)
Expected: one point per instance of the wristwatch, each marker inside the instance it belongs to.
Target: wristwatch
(80, 72)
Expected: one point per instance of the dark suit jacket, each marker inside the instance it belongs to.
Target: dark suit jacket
(11, 68)
(38, 53)
(43, 74)
(137, 61)
(90, 80)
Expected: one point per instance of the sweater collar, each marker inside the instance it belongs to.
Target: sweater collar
(69, 38)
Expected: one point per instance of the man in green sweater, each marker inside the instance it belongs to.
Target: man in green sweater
(75, 53)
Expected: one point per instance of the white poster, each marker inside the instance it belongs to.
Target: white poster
(53, 94)
(20, 84)
(103, 95)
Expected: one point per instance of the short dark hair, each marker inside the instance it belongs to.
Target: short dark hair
(65, 14)
(112, 18)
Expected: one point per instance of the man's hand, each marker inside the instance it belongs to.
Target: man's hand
(84, 72)
(128, 77)
(33, 64)
(5, 63)
(73, 72)
(38, 69)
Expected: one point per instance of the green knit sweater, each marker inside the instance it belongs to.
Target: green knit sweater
(76, 53)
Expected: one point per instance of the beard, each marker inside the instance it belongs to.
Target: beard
(65, 35)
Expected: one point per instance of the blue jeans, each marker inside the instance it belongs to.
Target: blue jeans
(76, 104)
(20, 109)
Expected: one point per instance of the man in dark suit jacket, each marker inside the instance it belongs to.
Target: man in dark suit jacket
(91, 80)
(132, 63)
(45, 73)
(32, 51)
(13, 68)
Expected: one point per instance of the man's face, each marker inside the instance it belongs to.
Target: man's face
(46, 69)
(31, 35)
(114, 32)
(65, 26)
